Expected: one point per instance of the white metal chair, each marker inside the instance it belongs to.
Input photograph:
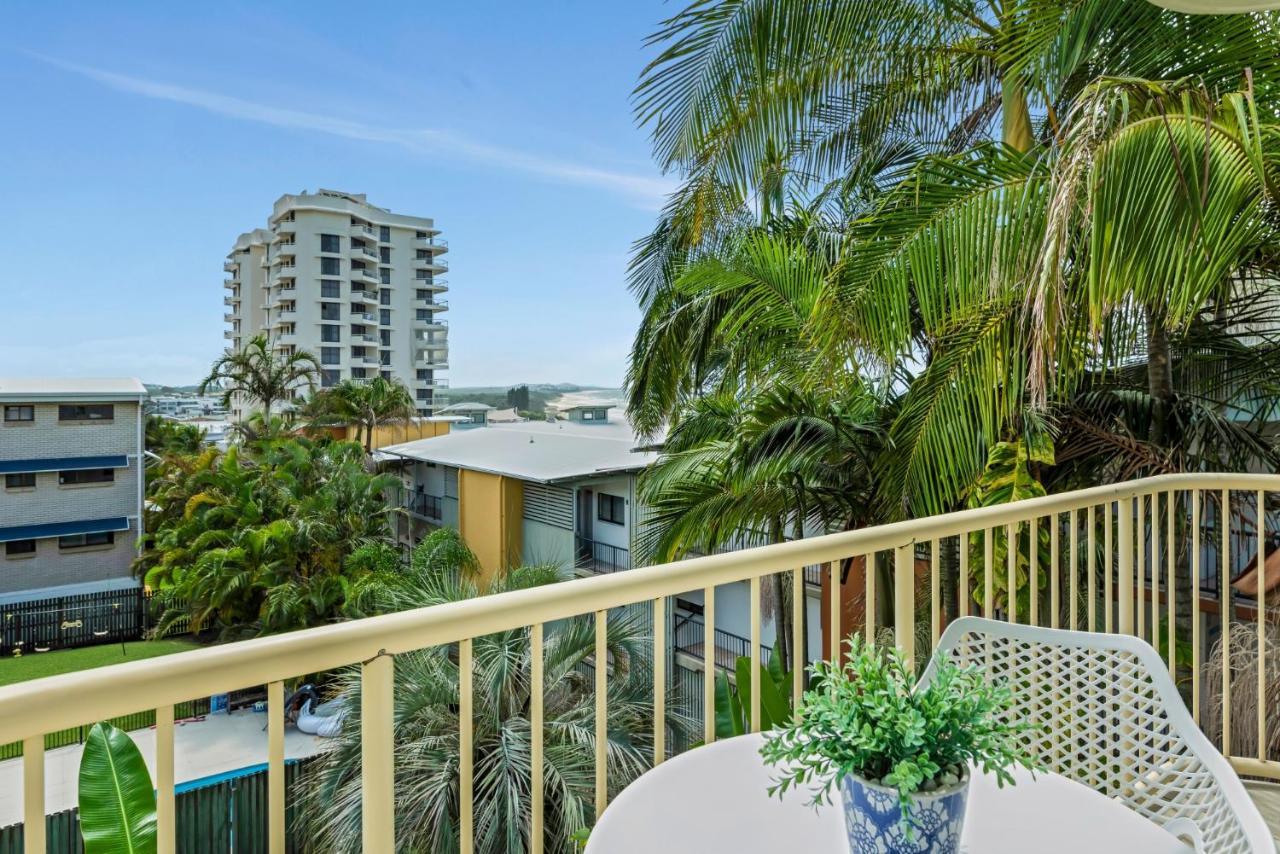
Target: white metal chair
(1104, 712)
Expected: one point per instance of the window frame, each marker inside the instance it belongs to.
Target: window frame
(617, 508)
(29, 407)
(9, 551)
(108, 538)
(20, 474)
(81, 412)
(74, 477)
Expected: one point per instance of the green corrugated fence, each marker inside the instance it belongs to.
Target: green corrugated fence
(224, 817)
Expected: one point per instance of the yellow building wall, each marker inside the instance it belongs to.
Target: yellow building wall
(394, 434)
(490, 507)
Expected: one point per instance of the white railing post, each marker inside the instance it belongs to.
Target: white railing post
(904, 601)
(166, 812)
(377, 753)
(275, 768)
(33, 795)
(1125, 579)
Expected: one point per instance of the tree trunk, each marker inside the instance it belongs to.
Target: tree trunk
(1159, 378)
(949, 558)
(781, 613)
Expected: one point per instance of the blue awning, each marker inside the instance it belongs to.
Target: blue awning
(63, 464)
(63, 529)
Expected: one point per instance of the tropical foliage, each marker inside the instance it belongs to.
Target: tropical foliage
(367, 404)
(166, 436)
(116, 799)
(265, 537)
(1016, 224)
(426, 721)
(260, 374)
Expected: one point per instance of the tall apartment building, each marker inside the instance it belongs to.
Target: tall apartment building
(355, 285)
(71, 506)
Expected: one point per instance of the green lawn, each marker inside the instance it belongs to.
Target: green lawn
(34, 665)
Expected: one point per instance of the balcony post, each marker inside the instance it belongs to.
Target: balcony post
(33, 836)
(1125, 579)
(904, 601)
(377, 747)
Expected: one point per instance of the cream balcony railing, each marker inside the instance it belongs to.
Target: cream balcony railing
(1105, 566)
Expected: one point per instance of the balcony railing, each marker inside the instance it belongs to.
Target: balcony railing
(689, 637)
(600, 557)
(1110, 558)
(426, 506)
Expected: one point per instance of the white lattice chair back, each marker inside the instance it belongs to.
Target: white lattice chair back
(1105, 712)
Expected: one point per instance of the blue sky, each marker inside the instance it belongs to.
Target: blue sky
(145, 137)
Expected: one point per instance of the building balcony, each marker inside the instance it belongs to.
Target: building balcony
(231, 300)
(365, 274)
(285, 226)
(231, 317)
(437, 265)
(432, 304)
(364, 232)
(429, 361)
(435, 244)
(430, 324)
(231, 334)
(438, 286)
(1094, 560)
(230, 266)
(364, 317)
(429, 507)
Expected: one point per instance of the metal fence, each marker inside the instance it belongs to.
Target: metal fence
(600, 557)
(688, 636)
(225, 817)
(86, 619)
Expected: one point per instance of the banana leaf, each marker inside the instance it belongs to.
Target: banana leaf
(117, 800)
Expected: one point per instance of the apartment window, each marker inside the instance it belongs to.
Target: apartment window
(384, 254)
(386, 375)
(424, 314)
(357, 308)
(424, 374)
(424, 394)
(78, 478)
(384, 297)
(17, 548)
(358, 374)
(423, 294)
(384, 335)
(423, 255)
(357, 329)
(331, 334)
(330, 243)
(384, 233)
(421, 235)
(329, 378)
(25, 480)
(84, 541)
(385, 358)
(21, 412)
(611, 508)
(86, 412)
(385, 276)
(330, 267)
(330, 355)
(384, 317)
(330, 311)
(330, 288)
(424, 275)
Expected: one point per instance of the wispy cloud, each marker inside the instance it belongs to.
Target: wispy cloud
(645, 190)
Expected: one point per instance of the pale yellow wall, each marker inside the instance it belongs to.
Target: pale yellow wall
(394, 434)
(490, 507)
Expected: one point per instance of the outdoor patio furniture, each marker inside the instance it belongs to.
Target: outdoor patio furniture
(715, 799)
(1104, 712)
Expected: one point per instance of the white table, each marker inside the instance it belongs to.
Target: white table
(714, 799)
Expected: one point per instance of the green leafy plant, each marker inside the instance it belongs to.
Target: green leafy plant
(733, 712)
(117, 800)
(865, 719)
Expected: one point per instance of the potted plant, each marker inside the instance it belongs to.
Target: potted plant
(901, 756)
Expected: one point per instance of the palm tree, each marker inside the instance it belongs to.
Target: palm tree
(368, 404)
(264, 538)
(259, 373)
(426, 721)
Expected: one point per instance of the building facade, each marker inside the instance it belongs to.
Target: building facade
(71, 504)
(355, 285)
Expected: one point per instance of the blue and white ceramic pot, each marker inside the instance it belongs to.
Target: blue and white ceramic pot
(874, 819)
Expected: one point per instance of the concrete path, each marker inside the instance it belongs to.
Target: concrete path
(218, 744)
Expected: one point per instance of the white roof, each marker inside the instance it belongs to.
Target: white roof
(66, 388)
(468, 406)
(533, 450)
